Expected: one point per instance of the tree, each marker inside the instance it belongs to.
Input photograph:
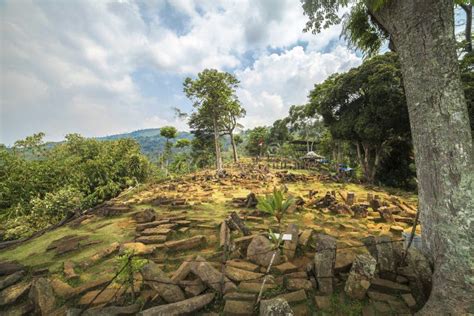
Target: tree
(422, 33)
(257, 142)
(213, 96)
(308, 127)
(183, 143)
(234, 112)
(168, 132)
(365, 106)
(467, 7)
(279, 132)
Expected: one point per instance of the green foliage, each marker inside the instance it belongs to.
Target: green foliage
(168, 132)
(182, 143)
(78, 173)
(131, 265)
(275, 204)
(257, 142)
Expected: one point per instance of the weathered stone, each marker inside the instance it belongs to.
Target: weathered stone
(159, 281)
(137, 248)
(185, 244)
(11, 279)
(360, 210)
(285, 268)
(275, 307)
(324, 261)
(386, 214)
(211, 276)
(100, 255)
(326, 201)
(301, 309)
(386, 260)
(12, 293)
(409, 300)
(92, 285)
(305, 237)
(377, 296)
(243, 242)
(141, 227)
(67, 244)
(261, 251)
(104, 297)
(156, 231)
(145, 216)
(289, 246)
(224, 235)
(61, 288)
(252, 287)
(7, 268)
(238, 296)
(294, 297)
(182, 272)
(106, 311)
(238, 308)
(344, 261)
(418, 271)
(194, 287)
(69, 272)
(322, 302)
(397, 230)
(297, 275)
(389, 287)
(153, 239)
(362, 273)
(381, 307)
(179, 308)
(23, 309)
(298, 284)
(239, 275)
(42, 296)
(350, 199)
(242, 264)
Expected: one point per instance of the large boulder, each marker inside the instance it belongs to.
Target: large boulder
(275, 307)
(185, 307)
(42, 296)
(362, 272)
(160, 282)
(261, 251)
(324, 261)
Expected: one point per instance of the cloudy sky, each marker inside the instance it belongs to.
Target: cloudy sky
(106, 67)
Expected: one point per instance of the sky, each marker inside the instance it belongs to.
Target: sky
(105, 67)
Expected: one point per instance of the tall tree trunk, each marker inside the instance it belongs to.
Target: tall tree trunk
(218, 148)
(234, 147)
(423, 35)
(468, 30)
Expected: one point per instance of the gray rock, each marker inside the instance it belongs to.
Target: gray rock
(362, 273)
(159, 281)
(42, 296)
(238, 308)
(275, 307)
(11, 279)
(25, 308)
(324, 261)
(260, 251)
(7, 268)
(289, 247)
(179, 308)
(12, 293)
(211, 276)
(145, 216)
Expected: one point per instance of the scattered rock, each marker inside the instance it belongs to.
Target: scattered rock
(61, 288)
(389, 287)
(238, 308)
(179, 308)
(409, 300)
(360, 210)
(193, 288)
(69, 272)
(350, 199)
(145, 216)
(326, 201)
(285, 268)
(242, 264)
(92, 285)
(344, 261)
(260, 251)
(239, 275)
(107, 311)
(104, 297)
(12, 293)
(275, 307)
(159, 281)
(7, 268)
(154, 239)
(185, 244)
(298, 284)
(224, 235)
(141, 227)
(322, 302)
(377, 296)
(294, 297)
(362, 272)
(243, 242)
(251, 287)
(397, 230)
(137, 248)
(324, 261)
(182, 272)
(305, 237)
(289, 247)
(211, 276)
(237, 296)
(11, 279)
(25, 308)
(386, 214)
(156, 231)
(42, 296)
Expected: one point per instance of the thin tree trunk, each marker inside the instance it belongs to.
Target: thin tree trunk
(367, 166)
(423, 35)
(468, 30)
(373, 171)
(234, 147)
(218, 148)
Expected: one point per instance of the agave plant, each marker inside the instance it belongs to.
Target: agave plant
(275, 205)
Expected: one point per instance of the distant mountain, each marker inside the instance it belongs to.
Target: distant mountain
(150, 140)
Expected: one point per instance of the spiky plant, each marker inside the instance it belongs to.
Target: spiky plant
(275, 204)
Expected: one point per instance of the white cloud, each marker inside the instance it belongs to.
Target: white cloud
(276, 82)
(70, 67)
